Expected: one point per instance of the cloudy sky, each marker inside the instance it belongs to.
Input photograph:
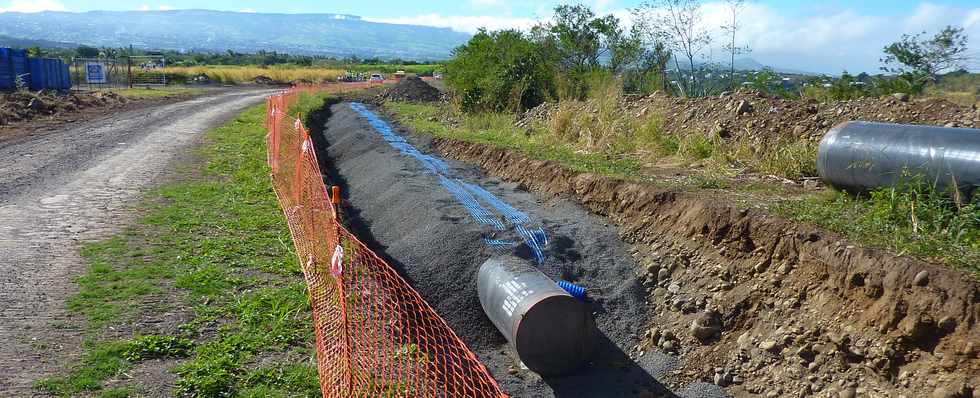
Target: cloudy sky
(820, 36)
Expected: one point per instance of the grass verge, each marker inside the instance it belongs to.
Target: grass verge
(498, 129)
(140, 93)
(213, 245)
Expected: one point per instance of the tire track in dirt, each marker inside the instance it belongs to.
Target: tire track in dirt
(69, 186)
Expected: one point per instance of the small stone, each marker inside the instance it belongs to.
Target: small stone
(903, 97)
(771, 346)
(674, 288)
(719, 380)
(743, 107)
(36, 105)
(653, 334)
(922, 278)
(954, 390)
(969, 350)
(772, 394)
(744, 341)
(706, 325)
(513, 370)
(663, 274)
(849, 392)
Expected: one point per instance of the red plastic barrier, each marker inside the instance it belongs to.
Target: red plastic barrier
(375, 335)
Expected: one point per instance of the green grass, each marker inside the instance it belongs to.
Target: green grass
(498, 129)
(215, 244)
(920, 222)
(139, 93)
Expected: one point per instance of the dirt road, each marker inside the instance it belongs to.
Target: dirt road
(70, 185)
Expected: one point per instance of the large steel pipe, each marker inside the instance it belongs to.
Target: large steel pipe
(865, 156)
(553, 332)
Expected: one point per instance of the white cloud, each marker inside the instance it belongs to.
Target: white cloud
(247, 10)
(144, 7)
(468, 24)
(165, 8)
(33, 6)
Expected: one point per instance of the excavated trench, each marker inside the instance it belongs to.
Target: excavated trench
(691, 294)
(399, 207)
(799, 311)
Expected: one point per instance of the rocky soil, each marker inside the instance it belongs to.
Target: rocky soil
(24, 106)
(767, 307)
(757, 114)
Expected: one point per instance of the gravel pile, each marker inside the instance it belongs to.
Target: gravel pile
(411, 89)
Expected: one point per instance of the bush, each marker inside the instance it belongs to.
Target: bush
(500, 71)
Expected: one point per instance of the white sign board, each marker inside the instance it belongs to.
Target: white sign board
(95, 73)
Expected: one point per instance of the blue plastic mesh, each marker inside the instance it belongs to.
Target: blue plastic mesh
(465, 193)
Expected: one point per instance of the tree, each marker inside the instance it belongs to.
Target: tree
(627, 49)
(678, 23)
(501, 71)
(924, 59)
(35, 52)
(87, 52)
(734, 7)
(580, 37)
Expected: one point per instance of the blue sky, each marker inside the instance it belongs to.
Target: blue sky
(820, 36)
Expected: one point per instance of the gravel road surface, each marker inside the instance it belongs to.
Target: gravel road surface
(69, 185)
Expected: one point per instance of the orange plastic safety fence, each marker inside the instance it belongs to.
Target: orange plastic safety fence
(375, 335)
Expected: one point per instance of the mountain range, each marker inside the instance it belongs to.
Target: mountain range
(336, 35)
(204, 30)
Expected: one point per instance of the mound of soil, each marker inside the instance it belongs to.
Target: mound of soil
(411, 89)
(759, 115)
(265, 80)
(25, 106)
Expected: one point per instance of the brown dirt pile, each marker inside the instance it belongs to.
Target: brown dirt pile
(412, 89)
(25, 106)
(768, 307)
(757, 114)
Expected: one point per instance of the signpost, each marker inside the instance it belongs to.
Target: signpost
(95, 73)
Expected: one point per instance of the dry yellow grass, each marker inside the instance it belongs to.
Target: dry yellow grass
(246, 74)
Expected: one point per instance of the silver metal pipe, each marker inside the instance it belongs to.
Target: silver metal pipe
(865, 156)
(553, 332)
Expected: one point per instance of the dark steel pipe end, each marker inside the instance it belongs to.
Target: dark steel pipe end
(553, 332)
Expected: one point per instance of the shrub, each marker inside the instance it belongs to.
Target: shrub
(500, 71)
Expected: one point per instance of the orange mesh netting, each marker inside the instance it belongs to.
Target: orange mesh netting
(375, 335)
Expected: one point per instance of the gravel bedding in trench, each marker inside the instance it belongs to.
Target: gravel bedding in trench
(400, 209)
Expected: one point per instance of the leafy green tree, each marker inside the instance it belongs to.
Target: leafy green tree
(845, 88)
(87, 52)
(501, 71)
(923, 59)
(581, 38)
(35, 52)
